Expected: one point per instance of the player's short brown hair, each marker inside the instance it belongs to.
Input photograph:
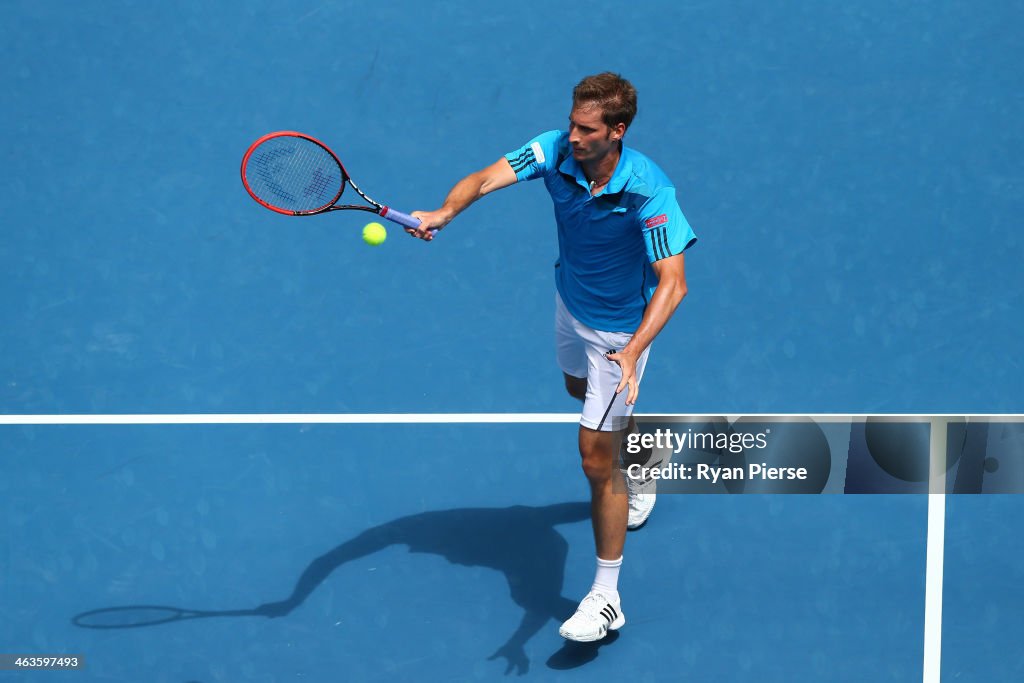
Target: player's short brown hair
(614, 94)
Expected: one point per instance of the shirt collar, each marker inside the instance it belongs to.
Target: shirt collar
(620, 176)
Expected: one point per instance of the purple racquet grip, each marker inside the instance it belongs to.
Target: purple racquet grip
(402, 218)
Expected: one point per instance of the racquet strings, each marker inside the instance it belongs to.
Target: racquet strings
(294, 174)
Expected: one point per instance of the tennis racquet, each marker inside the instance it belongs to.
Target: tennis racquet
(297, 175)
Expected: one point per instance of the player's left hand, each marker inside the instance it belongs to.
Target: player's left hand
(627, 363)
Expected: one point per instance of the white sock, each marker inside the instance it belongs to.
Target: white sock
(606, 581)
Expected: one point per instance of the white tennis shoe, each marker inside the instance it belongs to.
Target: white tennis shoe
(642, 492)
(595, 616)
(642, 497)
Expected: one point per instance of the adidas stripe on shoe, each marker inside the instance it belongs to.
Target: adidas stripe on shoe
(595, 616)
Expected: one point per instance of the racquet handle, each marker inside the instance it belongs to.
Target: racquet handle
(402, 218)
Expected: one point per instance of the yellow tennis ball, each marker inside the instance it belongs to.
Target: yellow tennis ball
(374, 234)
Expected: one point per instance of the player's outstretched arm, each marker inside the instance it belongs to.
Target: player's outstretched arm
(466, 191)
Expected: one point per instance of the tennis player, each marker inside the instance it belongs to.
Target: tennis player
(619, 278)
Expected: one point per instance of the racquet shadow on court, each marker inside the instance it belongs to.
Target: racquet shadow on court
(520, 541)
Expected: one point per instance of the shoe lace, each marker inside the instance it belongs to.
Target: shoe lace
(592, 604)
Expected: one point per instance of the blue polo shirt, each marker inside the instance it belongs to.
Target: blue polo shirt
(607, 242)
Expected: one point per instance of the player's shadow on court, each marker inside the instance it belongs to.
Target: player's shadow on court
(520, 542)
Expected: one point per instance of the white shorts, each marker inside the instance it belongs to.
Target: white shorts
(582, 353)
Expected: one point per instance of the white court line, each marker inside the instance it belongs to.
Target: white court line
(407, 418)
(935, 554)
(293, 418)
(933, 587)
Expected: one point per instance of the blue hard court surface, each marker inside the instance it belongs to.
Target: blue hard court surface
(852, 171)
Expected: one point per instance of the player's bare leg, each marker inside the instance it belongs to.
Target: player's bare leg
(640, 492)
(609, 507)
(601, 610)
